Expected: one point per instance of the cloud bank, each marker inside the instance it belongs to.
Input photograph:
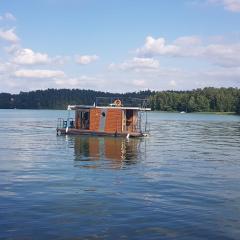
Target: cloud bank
(226, 55)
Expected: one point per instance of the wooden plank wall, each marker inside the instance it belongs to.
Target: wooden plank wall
(113, 120)
(95, 114)
(77, 119)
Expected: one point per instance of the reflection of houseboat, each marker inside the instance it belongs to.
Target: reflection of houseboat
(106, 148)
(115, 119)
(105, 152)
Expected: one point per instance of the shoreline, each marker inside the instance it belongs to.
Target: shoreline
(217, 113)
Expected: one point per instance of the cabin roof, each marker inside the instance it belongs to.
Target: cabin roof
(75, 107)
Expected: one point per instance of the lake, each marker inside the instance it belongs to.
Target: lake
(181, 182)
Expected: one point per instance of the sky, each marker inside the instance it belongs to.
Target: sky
(119, 46)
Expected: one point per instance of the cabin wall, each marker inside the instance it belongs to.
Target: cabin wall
(77, 119)
(113, 120)
(95, 115)
(106, 120)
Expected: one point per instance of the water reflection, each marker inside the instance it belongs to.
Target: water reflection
(114, 152)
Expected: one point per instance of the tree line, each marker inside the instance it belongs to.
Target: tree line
(199, 100)
(60, 98)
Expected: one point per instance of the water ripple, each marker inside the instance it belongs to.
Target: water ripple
(179, 183)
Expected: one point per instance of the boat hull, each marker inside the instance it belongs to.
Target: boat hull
(74, 131)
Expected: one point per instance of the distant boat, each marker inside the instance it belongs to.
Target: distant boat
(182, 112)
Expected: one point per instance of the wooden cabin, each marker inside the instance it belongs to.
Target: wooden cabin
(114, 120)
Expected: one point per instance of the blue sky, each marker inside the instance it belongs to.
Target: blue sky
(119, 46)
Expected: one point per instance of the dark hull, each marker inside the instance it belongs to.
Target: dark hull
(74, 131)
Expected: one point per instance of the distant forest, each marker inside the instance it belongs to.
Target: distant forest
(200, 100)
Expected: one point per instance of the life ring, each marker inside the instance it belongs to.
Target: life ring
(118, 103)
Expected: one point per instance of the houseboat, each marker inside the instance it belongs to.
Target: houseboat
(117, 118)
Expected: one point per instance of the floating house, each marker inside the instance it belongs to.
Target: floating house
(114, 119)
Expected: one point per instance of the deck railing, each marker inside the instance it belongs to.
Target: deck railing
(64, 123)
(125, 102)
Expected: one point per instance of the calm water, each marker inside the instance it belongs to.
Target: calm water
(182, 182)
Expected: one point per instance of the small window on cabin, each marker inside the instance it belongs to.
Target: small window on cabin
(103, 114)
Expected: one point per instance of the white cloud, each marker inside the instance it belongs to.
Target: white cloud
(230, 5)
(137, 64)
(29, 57)
(9, 35)
(26, 56)
(8, 16)
(157, 46)
(38, 73)
(86, 59)
(181, 47)
(227, 55)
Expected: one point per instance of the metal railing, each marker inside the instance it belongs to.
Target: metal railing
(64, 123)
(125, 101)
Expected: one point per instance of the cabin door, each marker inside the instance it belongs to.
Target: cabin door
(129, 120)
(83, 119)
